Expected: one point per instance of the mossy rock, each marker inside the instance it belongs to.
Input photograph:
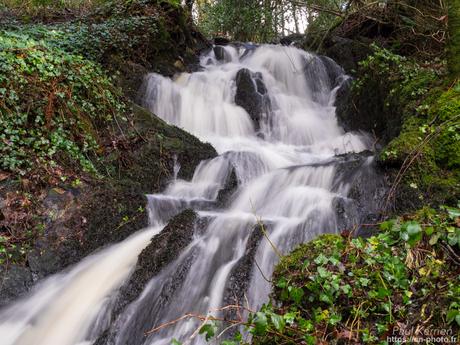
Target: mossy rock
(414, 116)
(325, 288)
(146, 163)
(162, 250)
(434, 138)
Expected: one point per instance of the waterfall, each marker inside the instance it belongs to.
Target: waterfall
(269, 112)
(63, 308)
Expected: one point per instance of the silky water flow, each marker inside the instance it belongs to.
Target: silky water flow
(285, 161)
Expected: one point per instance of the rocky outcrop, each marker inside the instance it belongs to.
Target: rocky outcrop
(163, 249)
(220, 53)
(240, 276)
(359, 176)
(148, 162)
(346, 52)
(81, 219)
(366, 111)
(251, 95)
(230, 186)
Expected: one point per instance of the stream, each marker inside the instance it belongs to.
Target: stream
(269, 112)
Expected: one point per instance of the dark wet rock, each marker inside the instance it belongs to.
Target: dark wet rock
(163, 249)
(293, 39)
(240, 276)
(346, 52)
(347, 213)
(14, 281)
(43, 262)
(132, 76)
(220, 53)
(366, 111)
(148, 164)
(322, 75)
(333, 70)
(106, 215)
(344, 109)
(251, 95)
(231, 184)
(222, 41)
(365, 188)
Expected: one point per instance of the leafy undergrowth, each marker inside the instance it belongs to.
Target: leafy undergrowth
(401, 284)
(98, 39)
(65, 118)
(420, 115)
(54, 106)
(58, 118)
(120, 32)
(403, 281)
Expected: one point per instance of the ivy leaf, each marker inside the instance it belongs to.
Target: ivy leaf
(209, 330)
(325, 298)
(278, 322)
(452, 315)
(346, 289)
(453, 212)
(281, 283)
(335, 319)
(414, 232)
(434, 239)
(289, 317)
(429, 230)
(296, 294)
(364, 281)
(322, 272)
(260, 323)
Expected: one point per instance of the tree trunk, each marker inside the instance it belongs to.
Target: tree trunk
(294, 16)
(453, 49)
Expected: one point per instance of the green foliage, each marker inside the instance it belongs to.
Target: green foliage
(404, 81)
(422, 118)
(123, 36)
(340, 290)
(36, 5)
(54, 105)
(263, 21)
(246, 21)
(209, 330)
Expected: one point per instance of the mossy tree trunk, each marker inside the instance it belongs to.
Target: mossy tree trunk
(453, 58)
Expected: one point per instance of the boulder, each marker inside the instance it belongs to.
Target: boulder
(251, 95)
(99, 212)
(15, 280)
(163, 249)
(222, 41)
(220, 53)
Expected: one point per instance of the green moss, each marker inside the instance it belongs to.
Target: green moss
(433, 136)
(326, 244)
(340, 290)
(454, 39)
(145, 160)
(418, 117)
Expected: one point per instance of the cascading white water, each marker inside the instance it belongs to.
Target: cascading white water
(63, 309)
(284, 165)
